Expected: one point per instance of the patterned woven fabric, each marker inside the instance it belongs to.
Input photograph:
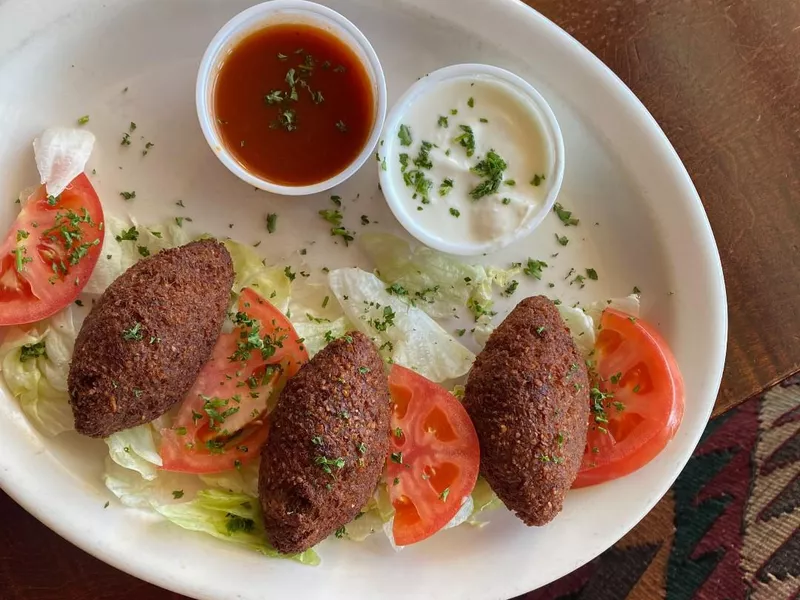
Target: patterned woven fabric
(729, 529)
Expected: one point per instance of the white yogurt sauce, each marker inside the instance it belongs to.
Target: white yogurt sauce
(502, 120)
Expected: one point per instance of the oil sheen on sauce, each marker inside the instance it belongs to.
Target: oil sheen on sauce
(472, 160)
(294, 104)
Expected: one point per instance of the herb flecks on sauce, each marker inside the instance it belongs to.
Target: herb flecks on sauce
(292, 91)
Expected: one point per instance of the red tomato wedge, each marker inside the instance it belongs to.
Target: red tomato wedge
(50, 252)
(223, 420)
(434, 459)
(638, 404)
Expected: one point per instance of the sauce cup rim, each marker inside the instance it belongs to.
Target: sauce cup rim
(252, 19)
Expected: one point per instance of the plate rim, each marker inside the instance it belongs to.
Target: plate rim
(616, 88)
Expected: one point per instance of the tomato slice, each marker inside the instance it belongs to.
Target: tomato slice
(638, 403)
(50, 252)
(222, 422)
(435, 456)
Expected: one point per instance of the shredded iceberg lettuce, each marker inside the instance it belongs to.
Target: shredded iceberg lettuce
(405, 333)
(230, 517)
(317, 316)
(270, 282)
(34, 361)
(120, 253)
(61, 154)
(136, 449)
(430, 280)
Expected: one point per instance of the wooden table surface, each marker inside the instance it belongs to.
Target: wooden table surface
(722, 77)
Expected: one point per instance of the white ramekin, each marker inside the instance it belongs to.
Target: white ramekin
(544, 118)
(260, 16)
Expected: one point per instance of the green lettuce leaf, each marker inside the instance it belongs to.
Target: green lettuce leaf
(270, 282)
(434, 282)
(118, 255)
(407, 335)
(34, 360)
(231, 517)
(136, 449)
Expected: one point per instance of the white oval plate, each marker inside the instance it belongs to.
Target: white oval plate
(642, 224)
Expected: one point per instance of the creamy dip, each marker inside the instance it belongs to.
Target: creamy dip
(470, 160)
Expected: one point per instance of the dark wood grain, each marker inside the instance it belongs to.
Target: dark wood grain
(723, 79)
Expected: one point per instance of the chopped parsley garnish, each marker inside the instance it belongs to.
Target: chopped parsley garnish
(30, 351)
(340, 125)
(479, 310)
(636, 388)
(337, 200)
(540, 330)
(235, 524)
(388, 319)
(397, 457)
(364, 220)
(340, 532)
(537, 180)
(317, 440)
(347, 236)
(132, 127)
(334, 217)
(636, 290)
(397, 290)
(289, 274)
(143, 250)
(579, 279)
(446, 186)
(275, 97)
(83, 120)
(22, 235)
(455, 212)
(272, 221)
(423, 160)
(591, 274)
(460, 332)
(471, 102)
(398, 432)
(363, 370)
(128, 195)
(328, 464)
(133, 334)
(446, 492)
(179, 221)
(565, 215)
(511, 288)
(533, 268)
(562, 239)
(506, 201)
(491, 170)
(466, 140)
(177, 494)
(404, 133)
(442, 122)
(287, 119)
(362, 448)
(126, 139)
(147, 147)
(421, 184)
(482, 120)
(325, 301)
